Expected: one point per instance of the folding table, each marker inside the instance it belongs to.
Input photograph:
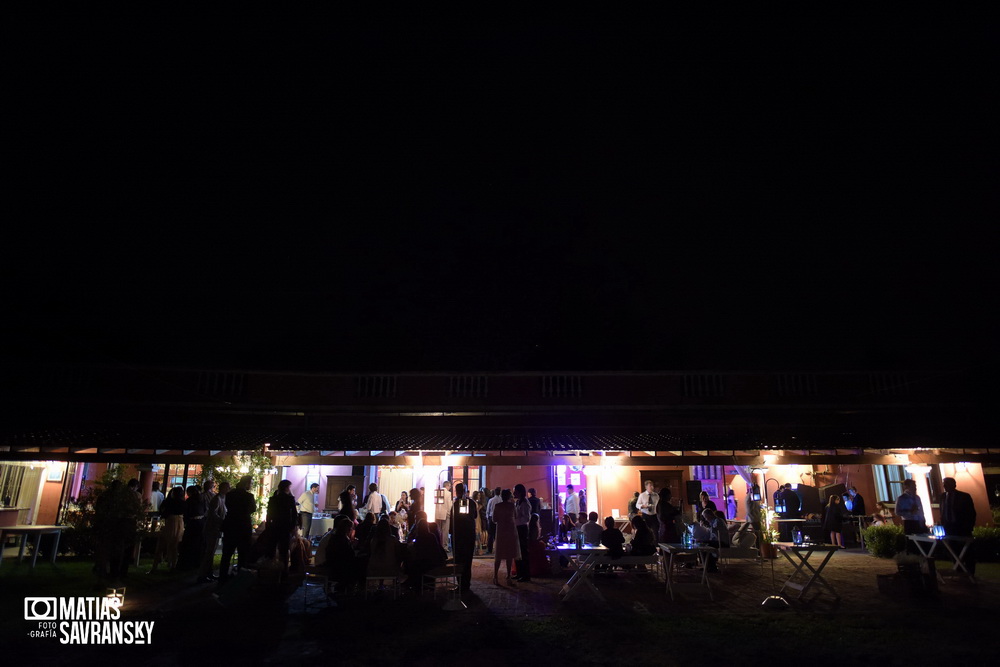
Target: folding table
(928, 544)
(671, 551)
(802, 553)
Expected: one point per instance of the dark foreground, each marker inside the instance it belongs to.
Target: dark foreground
(275, 626)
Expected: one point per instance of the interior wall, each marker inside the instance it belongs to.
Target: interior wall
(297, 476)
(539, 477)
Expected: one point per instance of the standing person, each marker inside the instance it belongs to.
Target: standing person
(572, 503)
(583, 505)
(536, 503)
(172, 530)
(731, 505)
(647, 507)
(463, 535)
(833, 520)
(522, 517)
(307, 507)
(958, 516)
(282, 520)
(237, 527)
(347, 497)
(705, 503)
(376, 503)
(910, 509)
(194, 524)
(416, 505)
(507, 546)
(667, 514)
(213, 528)
(155, 498)
(441, 513)
(857, 502)
(491, 525)
(208, 494)
(633, 508)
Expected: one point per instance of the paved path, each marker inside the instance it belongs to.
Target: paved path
(739, 588)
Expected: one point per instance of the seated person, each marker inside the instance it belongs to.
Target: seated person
(614, 540)
(412, 535)
(644, 543)
(395, 525)
(320, 557)
(299, 553)
(566, 526)
(718, 535)
(342, 564)
(424, 554)
(387, 553)
(592, 530)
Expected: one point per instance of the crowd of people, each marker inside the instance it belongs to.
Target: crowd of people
(372, 537)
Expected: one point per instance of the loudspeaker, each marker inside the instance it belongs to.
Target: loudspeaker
(693, 490)
(358, 471)
(829, 490)
(809, 495)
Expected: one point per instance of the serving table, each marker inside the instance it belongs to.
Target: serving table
(802, 553)
(928, 545)
(24, 531)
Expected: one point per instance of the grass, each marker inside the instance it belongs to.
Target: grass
(417, 632)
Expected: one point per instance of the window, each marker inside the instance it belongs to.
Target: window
(889, 482)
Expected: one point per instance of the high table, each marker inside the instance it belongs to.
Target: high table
(672, 551)
(928, 544)
(37, 531)
(803, 552)
(587, 557)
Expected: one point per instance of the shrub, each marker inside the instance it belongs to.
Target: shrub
(885, 541)
(987, 543)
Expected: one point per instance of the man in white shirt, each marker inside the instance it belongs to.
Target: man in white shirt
(647, 507)
(375, 502)
(572, 503)
(441, 513)
(307, 506)
(491, 527)
(155, 498)
(592, 530)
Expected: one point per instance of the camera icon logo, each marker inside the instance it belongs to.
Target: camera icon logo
(40, 609)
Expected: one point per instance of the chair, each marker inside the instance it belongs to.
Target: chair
(446, 574)
(377, 579)
(316, 578)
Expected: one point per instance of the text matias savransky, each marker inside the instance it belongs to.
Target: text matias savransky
(85, 620)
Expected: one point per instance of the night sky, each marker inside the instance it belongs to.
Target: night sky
(453, 197)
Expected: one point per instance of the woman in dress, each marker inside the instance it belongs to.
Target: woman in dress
(403, 504)
(172, 513)
(505, 546)
(833, 522)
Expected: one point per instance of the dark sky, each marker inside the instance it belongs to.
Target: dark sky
(453, 197)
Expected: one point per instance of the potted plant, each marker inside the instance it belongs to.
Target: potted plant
(766, 534)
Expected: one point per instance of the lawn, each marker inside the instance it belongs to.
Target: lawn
(418, 632)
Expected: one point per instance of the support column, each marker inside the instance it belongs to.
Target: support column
(919, 473)
(146, 484)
